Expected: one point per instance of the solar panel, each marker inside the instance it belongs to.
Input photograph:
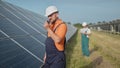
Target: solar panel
(22, 37)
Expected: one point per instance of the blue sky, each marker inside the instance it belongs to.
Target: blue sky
(75, 11)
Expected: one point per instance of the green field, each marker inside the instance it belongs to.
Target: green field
(104, 49)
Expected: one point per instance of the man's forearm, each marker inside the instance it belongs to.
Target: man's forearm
(54, 36)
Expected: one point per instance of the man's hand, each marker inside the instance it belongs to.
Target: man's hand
(86, 32)
(46, 25)
(44, 59)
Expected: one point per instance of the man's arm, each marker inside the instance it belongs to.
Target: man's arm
(44, 59)
(88, 32)
(55, 37)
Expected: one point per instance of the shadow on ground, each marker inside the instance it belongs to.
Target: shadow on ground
(94, 63)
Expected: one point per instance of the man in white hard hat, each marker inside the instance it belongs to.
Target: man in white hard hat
(55, 41)
(85, 33)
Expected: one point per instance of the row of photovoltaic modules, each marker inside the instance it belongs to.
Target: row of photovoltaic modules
(22, 37)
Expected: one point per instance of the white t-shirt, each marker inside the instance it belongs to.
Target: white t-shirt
(85, 30)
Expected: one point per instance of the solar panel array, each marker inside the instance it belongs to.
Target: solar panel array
(22, 37)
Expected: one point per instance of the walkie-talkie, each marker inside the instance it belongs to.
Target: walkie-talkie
(48, 21)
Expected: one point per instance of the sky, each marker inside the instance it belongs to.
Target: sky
(75, 11)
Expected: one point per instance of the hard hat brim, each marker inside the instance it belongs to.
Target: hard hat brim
(50, 13)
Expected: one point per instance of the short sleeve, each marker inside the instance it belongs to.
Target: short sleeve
(89, 31)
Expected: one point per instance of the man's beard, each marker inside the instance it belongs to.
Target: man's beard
(52, 22)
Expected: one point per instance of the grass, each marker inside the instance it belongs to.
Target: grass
(109, 46)
(73, 53)
(104, 48)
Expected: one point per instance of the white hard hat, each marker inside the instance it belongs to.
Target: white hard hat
(50, 10)
(84, 24)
